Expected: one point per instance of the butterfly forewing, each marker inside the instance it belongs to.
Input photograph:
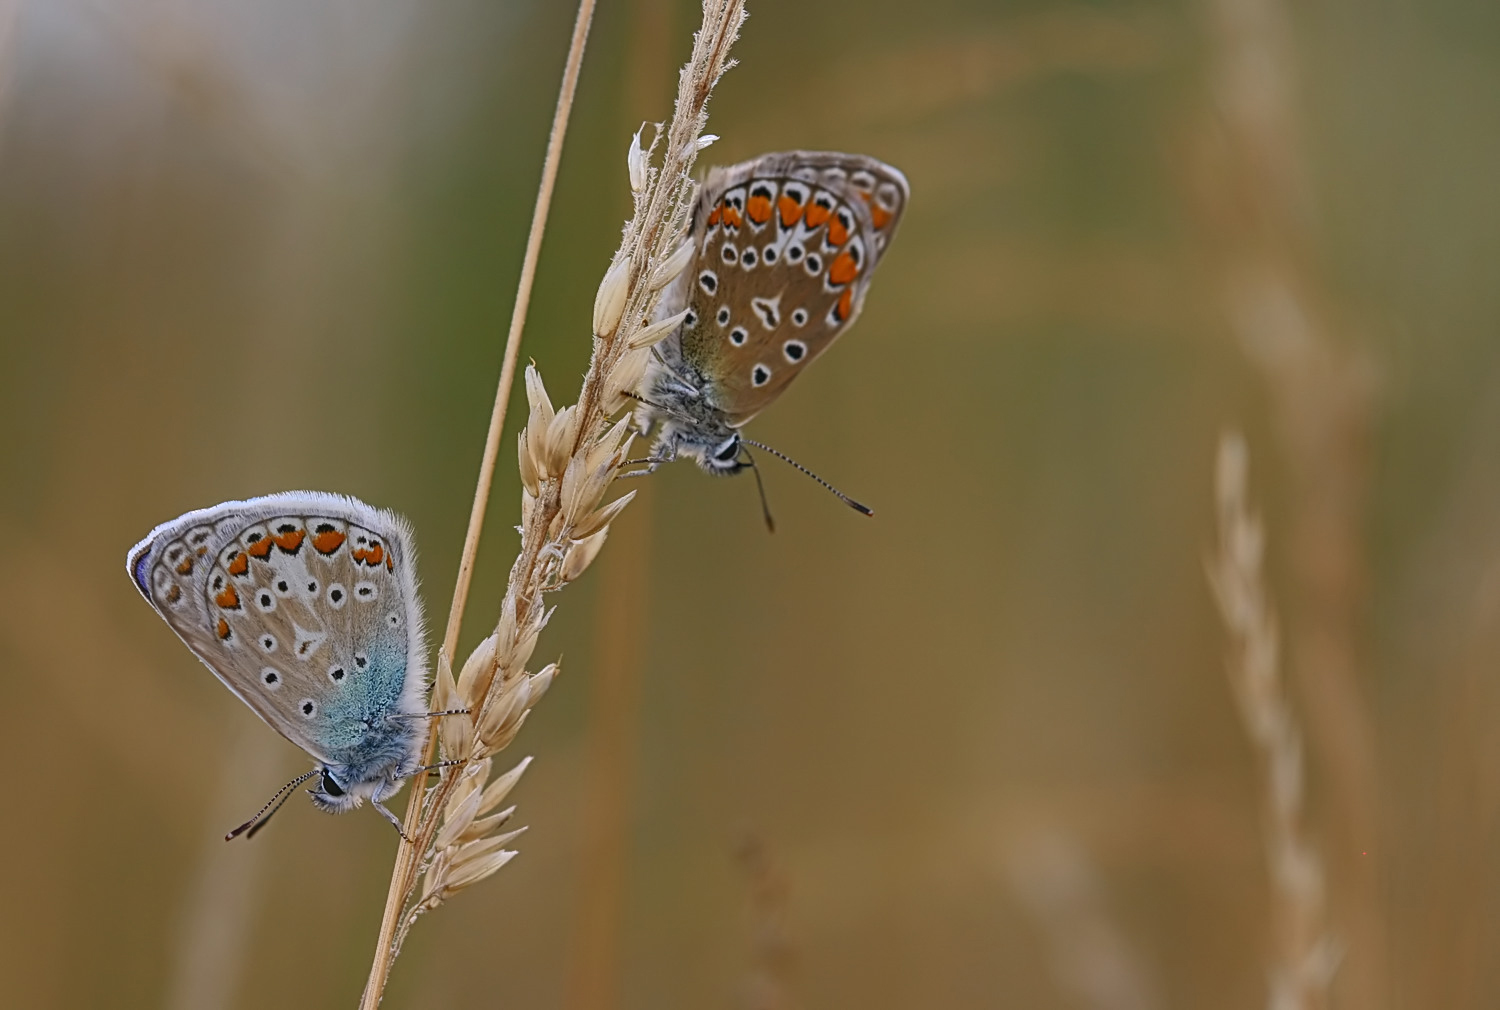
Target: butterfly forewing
(785, 247)
(304, 607)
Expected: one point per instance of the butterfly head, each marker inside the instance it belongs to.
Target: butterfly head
(708, 441)
(338, 788)
(329, 794)
(725, 457)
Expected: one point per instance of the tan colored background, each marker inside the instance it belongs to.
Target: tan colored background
(983, 742)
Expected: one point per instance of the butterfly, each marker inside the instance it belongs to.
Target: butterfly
(784, 247)
(304, 604)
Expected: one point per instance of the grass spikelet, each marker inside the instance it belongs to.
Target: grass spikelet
(568, 458)
(1305, 953)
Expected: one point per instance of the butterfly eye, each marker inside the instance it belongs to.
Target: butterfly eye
(729, 450)
(331, 787)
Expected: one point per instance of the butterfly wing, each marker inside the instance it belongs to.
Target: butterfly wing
(786, 245)
(302, 604)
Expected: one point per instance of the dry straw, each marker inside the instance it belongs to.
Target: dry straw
(1305, 954)
(568, 459)
(1262, 204)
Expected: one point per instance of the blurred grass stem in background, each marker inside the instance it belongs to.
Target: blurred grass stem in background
(568, 459)
(1305, 955)
(1322, 396)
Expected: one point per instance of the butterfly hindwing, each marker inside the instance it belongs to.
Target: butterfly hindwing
(303, 605)
(785, 248)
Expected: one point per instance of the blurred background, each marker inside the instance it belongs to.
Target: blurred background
(980, 751)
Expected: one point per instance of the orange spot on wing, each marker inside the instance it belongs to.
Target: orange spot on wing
(759, 209)
(328, 541)
(186, 568)
(732, 218)
(791, 211)
(879, 215)
(837, 233)
(843, 270)
(260, 549)
(228, 599)
(713, 218)
(174, 594)
(816, 214)
(290, 540)
(223, 629)
(846, 302)
(389, 566)
(376, 555)
(239, 564)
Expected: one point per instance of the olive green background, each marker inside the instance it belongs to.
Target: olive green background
(985, 739)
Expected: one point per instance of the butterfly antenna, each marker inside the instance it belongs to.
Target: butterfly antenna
(856, 506)
(765, 506)
(255, 823)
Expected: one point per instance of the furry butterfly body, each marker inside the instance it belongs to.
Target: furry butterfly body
(304, 605)
(783, 250)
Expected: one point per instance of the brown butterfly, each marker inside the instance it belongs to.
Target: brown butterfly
(784, 247)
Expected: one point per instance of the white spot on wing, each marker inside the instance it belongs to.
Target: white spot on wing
(769, 310)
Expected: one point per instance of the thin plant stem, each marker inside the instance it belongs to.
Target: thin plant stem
(517, 322)
(568, 459)
(404, 872)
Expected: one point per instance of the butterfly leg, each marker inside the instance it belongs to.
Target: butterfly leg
(395, 822)
(652, 462)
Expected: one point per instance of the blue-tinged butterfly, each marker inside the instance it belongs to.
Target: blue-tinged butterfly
(783, 250)
(305, 605)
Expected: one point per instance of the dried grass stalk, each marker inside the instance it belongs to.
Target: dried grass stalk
(1260, 203)
(1305, 954)
(567, 458)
